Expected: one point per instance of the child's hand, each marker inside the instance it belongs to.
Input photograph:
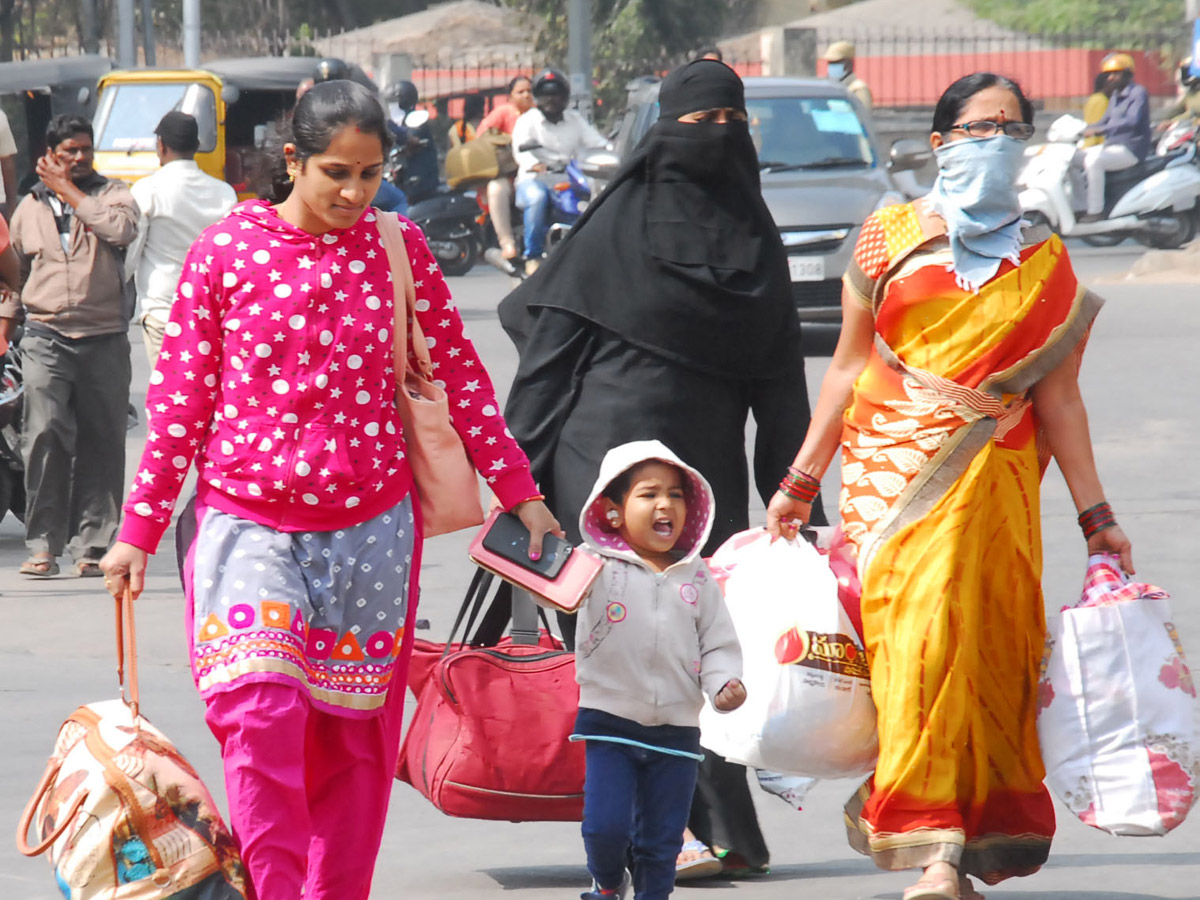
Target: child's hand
(731, 696)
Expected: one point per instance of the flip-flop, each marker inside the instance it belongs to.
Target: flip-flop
(701, 867)
(88, 568)
(40, 566)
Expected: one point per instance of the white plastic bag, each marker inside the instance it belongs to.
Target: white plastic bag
(808, 708)
(1117, 706)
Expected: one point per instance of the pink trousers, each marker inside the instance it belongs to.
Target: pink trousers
(308, 791)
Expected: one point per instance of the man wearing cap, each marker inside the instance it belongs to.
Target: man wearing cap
(177, 203)
(1125, 127)
(840, 57)
(70, 233)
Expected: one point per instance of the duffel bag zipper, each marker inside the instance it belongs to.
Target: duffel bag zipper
(483, 790)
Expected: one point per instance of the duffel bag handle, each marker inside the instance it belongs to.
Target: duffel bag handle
(64, 821)
(127, 650)
(472, 602)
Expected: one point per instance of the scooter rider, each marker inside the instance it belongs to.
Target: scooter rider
(561, 133)
(421, 176)
(1188, 103)
(1125, 127)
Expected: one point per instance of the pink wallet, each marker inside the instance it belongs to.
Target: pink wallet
(501, 547)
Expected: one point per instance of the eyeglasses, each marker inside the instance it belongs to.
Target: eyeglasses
(986, 128)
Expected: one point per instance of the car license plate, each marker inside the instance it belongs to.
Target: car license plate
(807, 268)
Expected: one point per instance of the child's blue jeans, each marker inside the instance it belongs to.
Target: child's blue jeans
(639, 796)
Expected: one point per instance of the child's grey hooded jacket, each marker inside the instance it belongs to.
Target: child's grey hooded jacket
(646, 643)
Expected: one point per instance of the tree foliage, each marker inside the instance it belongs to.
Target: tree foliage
(1075, 16)
(42, 27)
(632, 37)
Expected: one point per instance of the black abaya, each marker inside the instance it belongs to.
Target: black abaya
(667, 314)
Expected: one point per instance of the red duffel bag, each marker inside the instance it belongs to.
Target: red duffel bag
(488, 739)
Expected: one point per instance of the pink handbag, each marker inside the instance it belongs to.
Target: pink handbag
(446, 484)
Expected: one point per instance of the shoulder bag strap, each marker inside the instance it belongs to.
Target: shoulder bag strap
(394, 245)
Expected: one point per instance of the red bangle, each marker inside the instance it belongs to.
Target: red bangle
(800, 486)
(1095, 519)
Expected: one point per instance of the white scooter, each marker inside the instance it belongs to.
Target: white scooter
(1154, 201)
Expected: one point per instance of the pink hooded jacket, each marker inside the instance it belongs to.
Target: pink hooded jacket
(276, 375)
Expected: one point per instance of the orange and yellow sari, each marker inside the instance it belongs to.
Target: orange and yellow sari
(941, 475)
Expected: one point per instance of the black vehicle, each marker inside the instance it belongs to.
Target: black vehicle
(448, 220)
(33, 91)
(12, 467)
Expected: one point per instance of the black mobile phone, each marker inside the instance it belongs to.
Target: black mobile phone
(509, 538)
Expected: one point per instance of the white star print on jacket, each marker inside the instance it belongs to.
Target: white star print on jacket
(276, 375)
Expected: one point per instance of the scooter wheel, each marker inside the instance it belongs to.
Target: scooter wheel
(1103, 240)
(464, 261)
(1184, 231)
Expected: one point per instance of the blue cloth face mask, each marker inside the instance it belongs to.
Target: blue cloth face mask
(837, 71)
(976, 193)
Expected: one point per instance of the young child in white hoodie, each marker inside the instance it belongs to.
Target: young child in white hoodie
(651, 636)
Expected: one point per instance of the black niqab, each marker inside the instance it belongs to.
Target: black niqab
(679, 256)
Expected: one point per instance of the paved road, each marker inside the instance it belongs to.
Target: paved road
(1141, 381)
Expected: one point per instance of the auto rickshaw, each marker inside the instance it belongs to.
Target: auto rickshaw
(235, 102)
(33, 91)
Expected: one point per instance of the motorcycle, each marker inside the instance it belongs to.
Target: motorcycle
(1154, 201)
(448, 220)
(12, 465)
(570, 195)
(1177, 136)
(446, 217)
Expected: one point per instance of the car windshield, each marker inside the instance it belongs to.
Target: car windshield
(808, 133)
(129, 113)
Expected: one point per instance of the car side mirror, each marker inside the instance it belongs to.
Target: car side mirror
(230, 94)
(84, 95)
(908, 154)
(599, 163)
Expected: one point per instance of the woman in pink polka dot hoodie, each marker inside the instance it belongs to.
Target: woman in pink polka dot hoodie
(276, 377)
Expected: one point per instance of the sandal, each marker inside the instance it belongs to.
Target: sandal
(40, 565)
(734, 865)
(946, 889)
(966, 890)
(705, 865)
(88, 568)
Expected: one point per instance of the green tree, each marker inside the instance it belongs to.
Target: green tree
(630, 38)
(1062, 16)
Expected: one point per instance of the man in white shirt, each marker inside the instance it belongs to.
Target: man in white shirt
(8, 169)
(177, 203)
(560, 133)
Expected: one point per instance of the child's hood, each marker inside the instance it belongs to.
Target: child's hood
(597, 533)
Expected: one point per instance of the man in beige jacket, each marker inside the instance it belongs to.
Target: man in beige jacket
(70, 233)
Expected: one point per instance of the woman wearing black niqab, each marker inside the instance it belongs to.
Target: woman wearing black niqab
(668, 314)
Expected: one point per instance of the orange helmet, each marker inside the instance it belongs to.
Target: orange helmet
(1117, 62)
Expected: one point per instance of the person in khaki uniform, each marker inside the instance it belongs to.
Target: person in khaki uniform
(840, 57)
(70, 233)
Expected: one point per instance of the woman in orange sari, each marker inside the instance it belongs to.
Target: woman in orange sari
(953, 383)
